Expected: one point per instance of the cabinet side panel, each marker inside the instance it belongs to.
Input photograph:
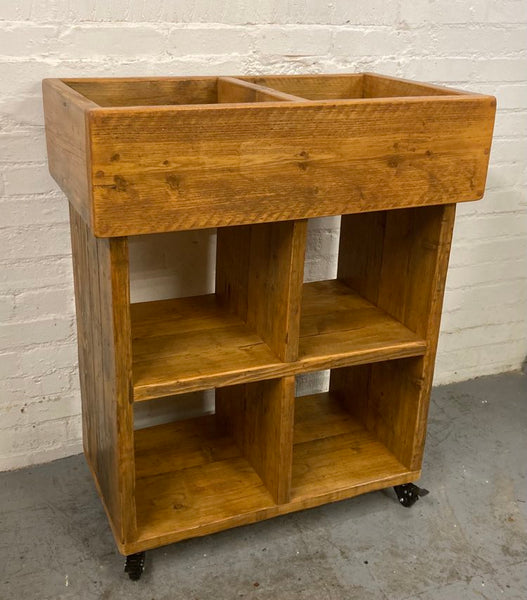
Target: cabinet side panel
(260, 418)
(114, 287)
(67, 143)
(101, 284)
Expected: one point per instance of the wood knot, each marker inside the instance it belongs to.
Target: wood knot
(393, 162)
(173, 182)
(303, 164)
(115, 157)
(121, 184)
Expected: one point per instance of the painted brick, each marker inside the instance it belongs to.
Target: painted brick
(457, 41)
(45, 241)
(28, 179)
(112, 40)
(33, 274)
(27, 40)
(43, 210)
(420, 12)
(209, 40)
(368, 42)
(293, 41)
(22, 147)
(510, 124)
(512, 96)
(41, 331)
(374, 12)
(7, 306)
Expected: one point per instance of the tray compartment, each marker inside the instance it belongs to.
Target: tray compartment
(234, 154)
(347, 87)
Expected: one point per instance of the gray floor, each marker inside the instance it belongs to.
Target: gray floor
(467, 539)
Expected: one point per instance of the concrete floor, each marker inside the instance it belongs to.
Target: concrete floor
(467, 539)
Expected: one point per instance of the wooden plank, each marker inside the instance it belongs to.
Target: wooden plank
(146, 91)
(338, 323)
(190, 344)
(67, 143)
(195, 343)
(314, 87)
(237, 90)
(260, 418)
(384, 86)
(224, 491)
(188, 168)
(259, 276)
(101, 293)
(276, 273)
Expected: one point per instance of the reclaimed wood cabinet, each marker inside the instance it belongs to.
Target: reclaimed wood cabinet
(256, 157)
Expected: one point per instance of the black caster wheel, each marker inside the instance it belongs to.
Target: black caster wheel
(408, 494)
(135, 565)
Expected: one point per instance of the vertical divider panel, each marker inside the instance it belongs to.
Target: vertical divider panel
(103, 307)
(259, 276)
(276, 274)
(406, 279)
(260, 417)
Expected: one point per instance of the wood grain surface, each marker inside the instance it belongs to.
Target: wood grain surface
(257, 157)
(103, 333)
(199, 482)
(190, 344)
(185, 168)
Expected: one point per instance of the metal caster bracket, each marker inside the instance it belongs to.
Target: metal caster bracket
(408, 494)
(135, 565)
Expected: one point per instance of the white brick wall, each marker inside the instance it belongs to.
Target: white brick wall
(473, 44)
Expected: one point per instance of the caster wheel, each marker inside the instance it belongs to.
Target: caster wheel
(135, 565)
(408, 494)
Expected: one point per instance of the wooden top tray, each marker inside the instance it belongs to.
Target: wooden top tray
(146, 155)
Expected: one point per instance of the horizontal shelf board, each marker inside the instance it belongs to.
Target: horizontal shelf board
(334, 454)
(191, 479)
(190, 344)
(338, 324)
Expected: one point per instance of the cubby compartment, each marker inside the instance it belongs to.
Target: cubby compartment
(359, 435)
(242, 332)
(198, 475)
(378, 306)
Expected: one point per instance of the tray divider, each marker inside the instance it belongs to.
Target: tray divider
(231, 89)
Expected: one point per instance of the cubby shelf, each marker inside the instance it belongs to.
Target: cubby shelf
(256, 158)
(192, 479)
(188, 344)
